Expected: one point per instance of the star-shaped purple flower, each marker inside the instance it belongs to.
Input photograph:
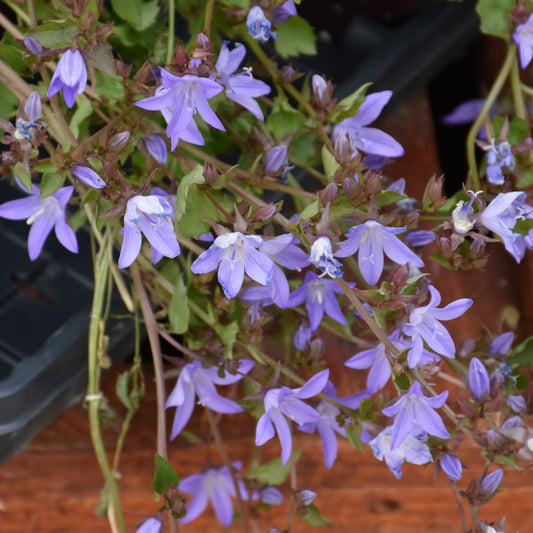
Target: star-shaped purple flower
(70, 75)
(412, 449)
(499, 157)
(372, 240)
(42, 214)
(151, 215)
(354, 130)
(234, 254)
(424, 325)
(242, 88)
(179, 98)
(285, 402)
(319, 295)
(195, 380)
(215, 484)
(414, 411)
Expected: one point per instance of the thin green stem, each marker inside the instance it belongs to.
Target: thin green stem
(171, 37)
(101, 270)
(19, 11)
(489, 101)
(32, 13)
(208, 16)
(294, 488)
(516, 88)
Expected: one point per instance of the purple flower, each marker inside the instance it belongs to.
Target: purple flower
(302, 337)
(259, 27)
(42, 215)
(424, 325)
(178, 99)
(152, 525)
(322, 257)
(236, 253)
(284, 12)
(33, 107)
(478, 380)
(151, 215)
(376, 359)
(498, 158)
(373, 240)
(467, 112)
(285, 402)
(70, 75)
(276, 157)
(415, 411)
(88, 176)
(501, 344)
(452, 466)
(412, 449)
(490, 482)
(523, 37)
(195, 380)
(215, 484)
(242, 88)
(368, 140)
(500, 217)
(157, 148)
(328, 426)
(461, 217)
(33, 110)
(319, 296)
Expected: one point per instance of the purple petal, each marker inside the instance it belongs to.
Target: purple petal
(88, 176)
(332, 309)
(231, 277)
(222, 505)
(314, 386)
(20, 209)
(452, 466)
(40, 229)
(131, 246)
(258, 266)
(264, 430)
(208, 260)
(372, 106)
(196, 506)
(403, 425)
(370, 258)
(430, 421)
(284, 434)
(66, 236)
(228, 62)
(329, 443)
(33, 108)
(464, 113)
(374, 141)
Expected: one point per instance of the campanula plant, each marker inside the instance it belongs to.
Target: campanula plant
(245, 214)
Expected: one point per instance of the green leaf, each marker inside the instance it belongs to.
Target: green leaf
(122, 389)
(518, 130)
(165, 477)
(509, 460)
(384, 198)
(178, 311)
(83, 111)
(349, 106)
(242, 4)
(354, 437)
(304, 149)
(101, 58)
(295, 37)
(525, 179)
(283, 119)
(110, 87)
(273, 473)
(50, 183)
(8, 103)
(55, 34)
(523, 353)
(314, 518)
(330, 163)
(365, 406)
(194, 177)
(439, 258)
(138, 13)
(402, 380)
(23, 175)
(310, 211)
(495, 18)
(14, 57)
(228, 335)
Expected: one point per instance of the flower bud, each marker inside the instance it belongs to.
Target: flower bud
(157, 148)
(517, 403)
(502, 343)
(33, 108)
(490, 482)
(302, 337)
(478, 379)
(119, 139)
(288, 74)
(328, 194)
(419, 238)
(451, 466)
(265, 212)
(33, 45)
(275, 158)
(271, 496)
(306, 497)
(88, 176)
(210, 173)
(319, 85)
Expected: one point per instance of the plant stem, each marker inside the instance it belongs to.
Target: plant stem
(516, 88)
(151, 329)
(101, 269)
(170, 39)
(10, 28)
(459, 506)
(294, 488)
(19, 11)
(491, 98)
(222, 450)
(32, 14)
(208, 16)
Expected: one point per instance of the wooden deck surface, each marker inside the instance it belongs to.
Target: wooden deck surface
(53, 485)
